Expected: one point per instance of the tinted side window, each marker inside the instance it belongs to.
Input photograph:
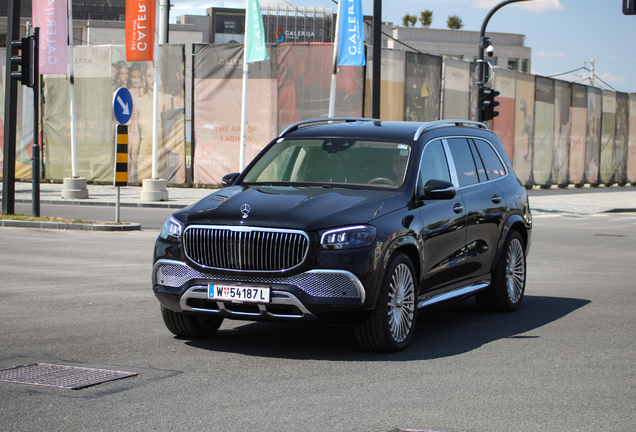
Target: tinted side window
(481, 171)
(492, 163)
(434, 165)
(464, 163)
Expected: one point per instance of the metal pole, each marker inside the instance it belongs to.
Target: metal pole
(10, 111)
(117, 206)
(244, 108)
(164, 21)
(71, 75)
(35, 154)
(480, 62)
(334, 71)
(377, 58)
(155, 106)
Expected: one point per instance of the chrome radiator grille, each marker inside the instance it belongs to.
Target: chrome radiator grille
(245, 248)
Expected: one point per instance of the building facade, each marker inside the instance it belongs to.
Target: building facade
(510, 50)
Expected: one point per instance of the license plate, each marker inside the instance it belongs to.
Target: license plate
(238, 293)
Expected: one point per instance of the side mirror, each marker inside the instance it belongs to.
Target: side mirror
(228, 179)
(439, 189)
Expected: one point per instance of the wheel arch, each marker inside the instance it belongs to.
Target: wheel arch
(514, 223)
(407, 245)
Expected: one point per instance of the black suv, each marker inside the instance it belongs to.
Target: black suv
(350, 221)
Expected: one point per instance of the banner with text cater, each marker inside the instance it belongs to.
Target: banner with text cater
(50, 16)
(140, 30)
(256, 50)
(351, 49)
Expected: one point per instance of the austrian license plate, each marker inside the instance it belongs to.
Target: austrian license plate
(238, 293)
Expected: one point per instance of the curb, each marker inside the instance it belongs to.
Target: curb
(103, 203)
(71, 226)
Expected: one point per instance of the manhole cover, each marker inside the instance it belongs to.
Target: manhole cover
(68, 377)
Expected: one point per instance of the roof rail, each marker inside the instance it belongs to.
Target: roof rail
(442, 123)
(300, 124)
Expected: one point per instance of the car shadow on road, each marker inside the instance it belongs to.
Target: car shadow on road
(446, 331)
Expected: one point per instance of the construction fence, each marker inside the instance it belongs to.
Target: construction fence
(555, 132)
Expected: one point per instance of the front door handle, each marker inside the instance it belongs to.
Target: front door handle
(458, 208)
(496, 199)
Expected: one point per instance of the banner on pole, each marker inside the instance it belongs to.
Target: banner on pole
(140, 30)
(50, 17)
(255, 34)
(351, 49)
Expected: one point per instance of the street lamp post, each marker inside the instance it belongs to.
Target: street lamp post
(484, 43)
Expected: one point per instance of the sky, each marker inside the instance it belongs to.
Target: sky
(564, 34)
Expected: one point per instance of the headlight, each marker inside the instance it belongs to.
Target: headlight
(171, 230)
(348, 238)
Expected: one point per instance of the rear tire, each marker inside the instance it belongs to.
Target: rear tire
(190, 326)
(390, 326)
(508, 279)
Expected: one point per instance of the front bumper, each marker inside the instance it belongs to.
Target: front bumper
(182, 288)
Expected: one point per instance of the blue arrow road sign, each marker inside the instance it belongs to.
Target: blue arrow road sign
(122, 104)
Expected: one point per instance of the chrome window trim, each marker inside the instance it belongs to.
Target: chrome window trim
(451, 162)
(503, 163)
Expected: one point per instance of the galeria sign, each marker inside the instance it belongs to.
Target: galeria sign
(140, 30)
(50, 16)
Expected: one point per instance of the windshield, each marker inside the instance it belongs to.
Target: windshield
(332, 160)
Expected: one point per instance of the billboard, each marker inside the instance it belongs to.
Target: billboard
(578, 128)
(543, 142)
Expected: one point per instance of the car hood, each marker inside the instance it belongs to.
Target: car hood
(305, 208)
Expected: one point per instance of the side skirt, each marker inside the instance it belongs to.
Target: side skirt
(455, 294)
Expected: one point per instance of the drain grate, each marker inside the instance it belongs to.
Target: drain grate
(67, 377)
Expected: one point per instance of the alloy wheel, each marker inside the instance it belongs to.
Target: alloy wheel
(516, 271)
(401, 304)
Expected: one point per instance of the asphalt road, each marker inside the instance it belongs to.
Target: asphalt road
(563, 362)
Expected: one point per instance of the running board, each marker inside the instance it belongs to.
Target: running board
(461, 292)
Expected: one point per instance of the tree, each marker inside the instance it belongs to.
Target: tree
(409, 20)
(426, 18)
(454, 22)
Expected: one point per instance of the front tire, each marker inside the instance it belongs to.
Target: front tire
(390, 326)
(508, 279)
(190, 326)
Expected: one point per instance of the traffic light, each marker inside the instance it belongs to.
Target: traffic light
(488, 103)
(629, 7)
(26, 74)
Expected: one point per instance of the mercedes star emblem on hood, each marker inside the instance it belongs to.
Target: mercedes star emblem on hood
(245, 209)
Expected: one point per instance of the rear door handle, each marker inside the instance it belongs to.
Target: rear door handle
(458, 208)
(496, 199)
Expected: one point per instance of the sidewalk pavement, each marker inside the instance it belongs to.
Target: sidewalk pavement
(584, 200)
(106, 195)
